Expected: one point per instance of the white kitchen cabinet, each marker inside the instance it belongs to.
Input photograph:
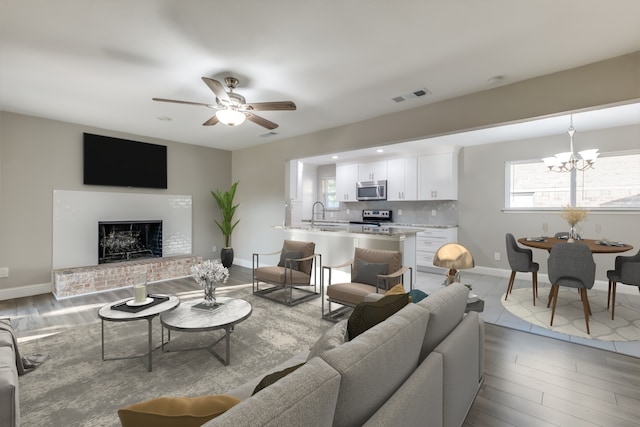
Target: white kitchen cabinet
(373, 171)
(402, 179)
(438, 176)
(427, 244)
(346, 178)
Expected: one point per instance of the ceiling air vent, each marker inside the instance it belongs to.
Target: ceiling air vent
(411, 95)
(268, 134)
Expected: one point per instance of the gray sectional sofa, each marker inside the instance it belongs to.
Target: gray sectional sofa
(9, 405)
(422, 366)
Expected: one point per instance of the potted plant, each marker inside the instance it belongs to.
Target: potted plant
(228, 209)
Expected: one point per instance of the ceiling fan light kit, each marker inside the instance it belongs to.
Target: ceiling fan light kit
(569, 160)
(232, 108)
(231, 117)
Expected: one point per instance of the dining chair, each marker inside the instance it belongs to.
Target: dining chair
(571, 265)
(627, 272)
(521, 260)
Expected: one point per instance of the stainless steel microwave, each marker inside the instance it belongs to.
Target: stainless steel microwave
(371, 190)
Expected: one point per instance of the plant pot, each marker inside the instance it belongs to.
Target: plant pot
(226, 256)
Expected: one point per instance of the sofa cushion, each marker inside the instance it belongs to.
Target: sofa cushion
(274, 377)
(417, 295)
(306, 249)
(175, 411)
(306, 396)
(368, 314)
(372, 366)
(350, 293)
(9, 396)
(367, 272)
(396, 290)
(275, 274)
(287, 254)
(447, 307)
(334, 337)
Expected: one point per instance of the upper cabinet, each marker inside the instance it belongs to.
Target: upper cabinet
(346, 178)
(374, 171)
(402, 179)
(438, 176)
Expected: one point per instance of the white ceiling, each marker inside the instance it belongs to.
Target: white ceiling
(99, 62)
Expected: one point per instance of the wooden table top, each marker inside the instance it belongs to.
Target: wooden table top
(595, 245)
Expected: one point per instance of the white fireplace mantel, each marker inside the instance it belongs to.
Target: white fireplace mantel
(76, 215)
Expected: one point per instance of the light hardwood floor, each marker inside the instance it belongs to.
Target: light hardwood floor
(530, 380)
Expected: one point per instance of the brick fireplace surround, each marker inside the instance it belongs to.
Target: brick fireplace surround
(68, 282)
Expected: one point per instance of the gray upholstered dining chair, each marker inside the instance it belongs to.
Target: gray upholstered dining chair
(571, 265)
(521, 260)
(627, 272)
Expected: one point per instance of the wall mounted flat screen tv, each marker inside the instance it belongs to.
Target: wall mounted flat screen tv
(123, 163)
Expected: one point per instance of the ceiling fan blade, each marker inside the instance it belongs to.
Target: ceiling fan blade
(272, 106)
(261, 121)
(217, 89)
(212, 121)
(180, 102)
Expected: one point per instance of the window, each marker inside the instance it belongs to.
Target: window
(614, 182)
(329, 195)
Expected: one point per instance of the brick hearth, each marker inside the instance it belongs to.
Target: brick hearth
(68, 282)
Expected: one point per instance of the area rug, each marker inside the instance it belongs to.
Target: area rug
(74, 387)
(569, 316)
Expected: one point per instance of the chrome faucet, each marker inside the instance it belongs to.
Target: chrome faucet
(313, 211)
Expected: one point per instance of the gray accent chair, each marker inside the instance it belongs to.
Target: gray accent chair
(372, 271)
(521, 260)
(571, 265)
(627, 272)
(290, 281)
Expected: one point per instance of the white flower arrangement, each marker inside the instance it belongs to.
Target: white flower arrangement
(211, 270)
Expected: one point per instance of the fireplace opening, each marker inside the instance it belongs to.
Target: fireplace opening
(127, 240)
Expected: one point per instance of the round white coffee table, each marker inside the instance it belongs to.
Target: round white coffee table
(187, 319)
(111, 314)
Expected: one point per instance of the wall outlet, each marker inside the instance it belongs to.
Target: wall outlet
(355, 243)
(399, 211)
(496, 256)
(4, 272)
(348, 211)
(433, 212)
(214, 249)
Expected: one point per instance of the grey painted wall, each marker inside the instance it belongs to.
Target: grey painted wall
(39, 155)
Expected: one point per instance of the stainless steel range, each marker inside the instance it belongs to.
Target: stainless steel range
(374, 217)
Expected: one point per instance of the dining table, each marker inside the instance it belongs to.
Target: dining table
(596, 246)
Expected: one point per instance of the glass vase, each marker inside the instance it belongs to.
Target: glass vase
(573, 233)
(209, 292)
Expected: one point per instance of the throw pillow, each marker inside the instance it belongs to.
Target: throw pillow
(367, 272)
(368, 314)
(417, 295)
(176, 411)
(334, 337)
(396, 290)
(275, 376)
(290, 254)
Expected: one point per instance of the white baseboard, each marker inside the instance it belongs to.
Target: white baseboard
(25, 291)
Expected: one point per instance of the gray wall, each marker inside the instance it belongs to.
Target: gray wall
(39, 155)
(260, 170)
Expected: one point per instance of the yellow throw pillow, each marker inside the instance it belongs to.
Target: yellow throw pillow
(396, 290)
(176, 411)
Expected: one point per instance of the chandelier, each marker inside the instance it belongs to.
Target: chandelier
(569, 160)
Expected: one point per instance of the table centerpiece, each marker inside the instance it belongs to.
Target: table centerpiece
(210, 274)
(573, 215)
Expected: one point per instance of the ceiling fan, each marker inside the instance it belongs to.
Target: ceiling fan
(232, 108)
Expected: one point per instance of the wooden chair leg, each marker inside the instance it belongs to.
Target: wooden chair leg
(554, 292)
(553, 289)
(587, 309)
(609, 295)
(510, 285)
(613, 286)
(534, 285)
